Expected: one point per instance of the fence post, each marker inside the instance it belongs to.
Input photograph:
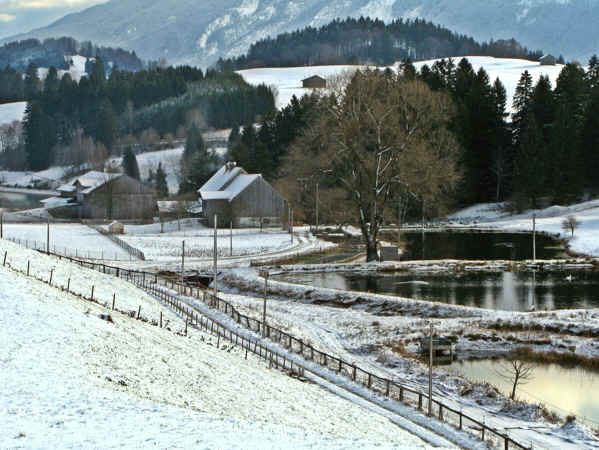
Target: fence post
(92, 297)
(27, 268)
(4, 263)
(113, 299)
(51, 273)
(69, 285)
(138, 312)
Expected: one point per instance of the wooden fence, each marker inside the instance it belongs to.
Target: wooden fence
(128, 248)
(383, 386)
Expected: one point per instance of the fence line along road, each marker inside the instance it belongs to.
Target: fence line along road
(383, 386)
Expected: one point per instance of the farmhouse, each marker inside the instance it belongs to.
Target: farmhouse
(241, 198)
(548, 60)
(99, 195)
(314, 81)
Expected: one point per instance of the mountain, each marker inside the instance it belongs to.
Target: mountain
(192, 32)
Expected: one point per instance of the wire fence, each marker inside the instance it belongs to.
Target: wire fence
(128, 248)
(105, 255)
(391, 389)
(383, 386)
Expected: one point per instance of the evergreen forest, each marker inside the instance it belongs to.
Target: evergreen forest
(71, 123)
(370, 41)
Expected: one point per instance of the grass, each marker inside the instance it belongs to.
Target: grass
(553, 357)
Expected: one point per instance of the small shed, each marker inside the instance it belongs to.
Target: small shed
(314, 82)
(548, 60)
(116, 228)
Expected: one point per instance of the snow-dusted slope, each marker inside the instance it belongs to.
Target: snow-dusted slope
(9, 112)
(185, 31)
(73, 380)
(288, 80)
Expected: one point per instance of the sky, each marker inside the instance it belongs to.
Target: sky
(20, 16)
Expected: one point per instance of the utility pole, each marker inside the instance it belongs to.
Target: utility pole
(183, 263)
(215, 254)
(534, 236)
(265, 275)
(316, 207)
(430, 372)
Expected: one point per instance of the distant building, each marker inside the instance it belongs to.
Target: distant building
(245, 199)
(315, 81)
(99, 195)
(548, 60)
(116, 228)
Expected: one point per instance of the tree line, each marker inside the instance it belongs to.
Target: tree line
(71, 123)
(19, 58)
(548, 148)
(369, 41)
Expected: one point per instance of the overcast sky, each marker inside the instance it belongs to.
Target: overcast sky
(20, 16)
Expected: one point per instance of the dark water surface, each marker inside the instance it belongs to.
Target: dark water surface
(477, 246)
(16, 201)
(510, 291)
(563, 390)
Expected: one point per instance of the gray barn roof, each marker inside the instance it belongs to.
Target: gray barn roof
(227, 183)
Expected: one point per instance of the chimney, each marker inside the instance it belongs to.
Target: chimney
(231, 165)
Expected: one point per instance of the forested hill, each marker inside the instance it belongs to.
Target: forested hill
(370, 41)
(56, 52)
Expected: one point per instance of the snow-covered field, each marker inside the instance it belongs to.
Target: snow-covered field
(67, 239)
(288, 80)
(73, 380)
(199, 242)
(9, 112)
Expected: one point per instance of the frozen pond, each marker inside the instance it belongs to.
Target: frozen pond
(510, 291)
(562, 390)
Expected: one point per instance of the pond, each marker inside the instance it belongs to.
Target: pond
(18, 201)
(509, 291)
(562, 390)
(477, 246)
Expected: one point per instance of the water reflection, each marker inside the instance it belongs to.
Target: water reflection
(563, 390)
(511, 291)
(477, 246)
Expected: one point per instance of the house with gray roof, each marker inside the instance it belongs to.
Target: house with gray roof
(101, 195)
(244, 199)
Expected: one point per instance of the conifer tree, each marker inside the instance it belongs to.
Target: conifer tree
(160, 182)
(129, 164)
(197, 163)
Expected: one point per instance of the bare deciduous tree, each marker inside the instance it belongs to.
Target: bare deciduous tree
(516, 372)
(570, 224)
(378, 136)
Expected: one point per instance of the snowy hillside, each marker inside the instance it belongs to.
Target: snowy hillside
(288, 80)
(9, 112)
(200, 33)
(75, 380)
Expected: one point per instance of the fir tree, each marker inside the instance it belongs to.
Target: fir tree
(160, 182)
(129, 164)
